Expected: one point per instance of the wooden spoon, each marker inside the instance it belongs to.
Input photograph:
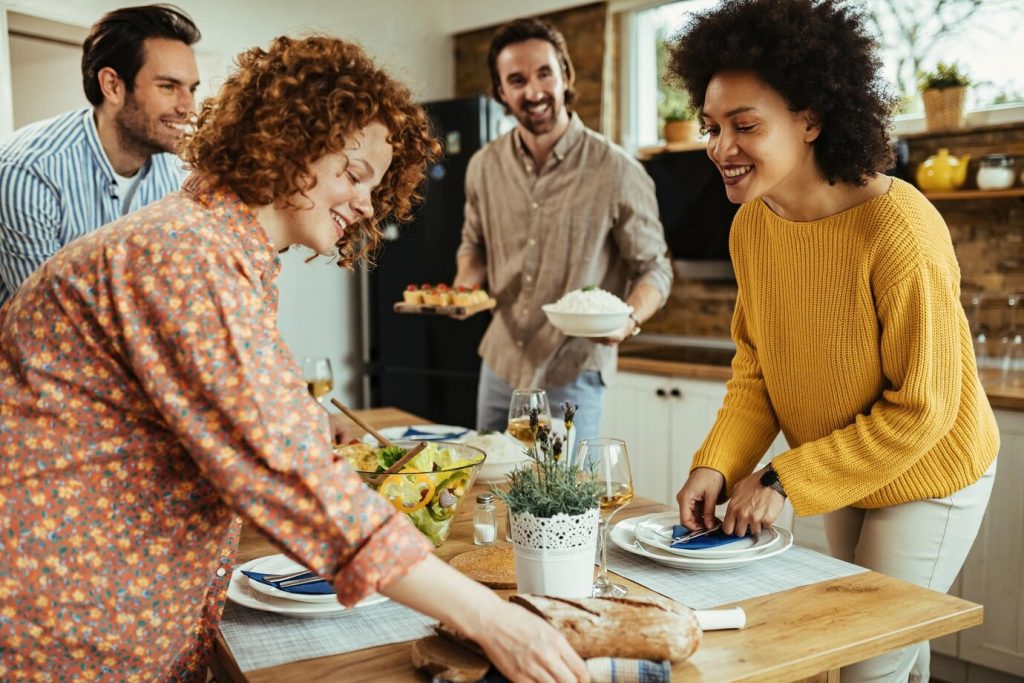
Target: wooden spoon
(355, 418)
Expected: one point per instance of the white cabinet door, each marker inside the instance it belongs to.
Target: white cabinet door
(994, 572)
(636, 410)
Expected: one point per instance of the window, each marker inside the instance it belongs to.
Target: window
(984, 36)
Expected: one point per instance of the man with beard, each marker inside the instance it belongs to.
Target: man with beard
(66, 176)
(551, 207)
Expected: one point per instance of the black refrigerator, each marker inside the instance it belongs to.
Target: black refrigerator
(428, 365)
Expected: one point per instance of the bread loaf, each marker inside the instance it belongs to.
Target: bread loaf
(650, 627)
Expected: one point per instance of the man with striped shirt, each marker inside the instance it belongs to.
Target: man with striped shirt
(66, 176)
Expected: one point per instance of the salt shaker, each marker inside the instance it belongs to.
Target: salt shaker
(485, 526)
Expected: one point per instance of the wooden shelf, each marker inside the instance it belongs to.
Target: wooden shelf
(975, 194)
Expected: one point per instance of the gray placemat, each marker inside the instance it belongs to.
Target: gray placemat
(707, 589)
(261, 639)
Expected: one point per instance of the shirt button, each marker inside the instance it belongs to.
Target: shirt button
(534, 205)
(519, 343)
(531, 242)
(221, 572)
(528, 278)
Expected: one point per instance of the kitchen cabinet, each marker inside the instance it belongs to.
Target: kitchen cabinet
(994, 576)
(663, 421)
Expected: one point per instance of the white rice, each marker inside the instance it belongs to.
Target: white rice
(590, 301)
(499, 447)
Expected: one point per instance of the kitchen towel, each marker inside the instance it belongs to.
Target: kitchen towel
(610, 670)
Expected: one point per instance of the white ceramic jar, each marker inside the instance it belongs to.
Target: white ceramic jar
(995, 172)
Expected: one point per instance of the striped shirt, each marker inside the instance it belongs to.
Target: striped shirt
(56, 184)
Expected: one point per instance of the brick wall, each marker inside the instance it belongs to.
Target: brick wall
(585, 31)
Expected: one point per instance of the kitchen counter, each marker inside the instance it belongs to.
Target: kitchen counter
(697, 362)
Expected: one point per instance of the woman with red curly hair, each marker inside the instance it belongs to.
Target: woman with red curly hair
(146, 399)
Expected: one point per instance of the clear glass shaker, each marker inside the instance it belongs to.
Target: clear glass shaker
(485, 523)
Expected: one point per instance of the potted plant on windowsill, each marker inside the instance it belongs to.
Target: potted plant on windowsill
(943, 90)
(681, 126)
(553, 516)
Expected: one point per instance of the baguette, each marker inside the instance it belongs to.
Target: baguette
(632, 628)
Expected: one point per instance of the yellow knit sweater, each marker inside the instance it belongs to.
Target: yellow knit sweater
(851, 338)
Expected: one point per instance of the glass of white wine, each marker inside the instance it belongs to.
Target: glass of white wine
(608, 462)
(519, 407)
(316, 371)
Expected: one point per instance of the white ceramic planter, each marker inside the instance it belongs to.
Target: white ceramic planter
(555, 555)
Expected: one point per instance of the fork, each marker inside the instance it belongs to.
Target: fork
(286, 577)
(686, 538)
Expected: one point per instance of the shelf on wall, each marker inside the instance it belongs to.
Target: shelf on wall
(975, 194)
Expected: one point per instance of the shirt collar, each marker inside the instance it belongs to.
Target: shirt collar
(240, 219)
(573, 133)
(92, 136)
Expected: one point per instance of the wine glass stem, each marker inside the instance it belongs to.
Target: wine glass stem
(602, 572)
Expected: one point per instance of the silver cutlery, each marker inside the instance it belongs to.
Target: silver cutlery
(286, 577)
(686, 538)
(299, 582)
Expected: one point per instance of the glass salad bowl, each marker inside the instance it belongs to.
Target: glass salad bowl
(429, 489)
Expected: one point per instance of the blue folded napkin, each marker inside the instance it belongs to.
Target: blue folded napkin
(612, 670)
(413, 433)
(320, 587)
(712, 540)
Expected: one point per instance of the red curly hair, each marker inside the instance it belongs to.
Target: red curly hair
(286, 107)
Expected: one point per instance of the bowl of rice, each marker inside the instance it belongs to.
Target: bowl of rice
(588, 312)
(504, 454)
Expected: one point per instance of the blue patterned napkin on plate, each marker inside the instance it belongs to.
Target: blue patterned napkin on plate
(413, 433)
(710, 541)
(316, 588)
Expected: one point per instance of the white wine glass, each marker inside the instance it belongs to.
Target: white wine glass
(316, 371)
(519, 407)
(607, 460)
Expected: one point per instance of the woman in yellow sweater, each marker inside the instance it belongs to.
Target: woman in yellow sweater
(849, 333)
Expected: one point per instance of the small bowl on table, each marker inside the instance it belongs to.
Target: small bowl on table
(586, 324)
(430, 498)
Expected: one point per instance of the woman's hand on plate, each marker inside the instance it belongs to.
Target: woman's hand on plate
(752, 505)
(698, 497)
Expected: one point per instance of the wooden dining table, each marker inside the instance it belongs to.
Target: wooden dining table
(802, 634)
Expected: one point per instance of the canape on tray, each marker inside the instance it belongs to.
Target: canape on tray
(442, 295)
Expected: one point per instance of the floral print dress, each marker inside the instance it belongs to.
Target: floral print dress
(146, 402)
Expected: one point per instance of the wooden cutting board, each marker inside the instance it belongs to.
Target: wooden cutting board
(456, 312)
(492, 566)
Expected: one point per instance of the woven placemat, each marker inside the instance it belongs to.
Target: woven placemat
(492, 566)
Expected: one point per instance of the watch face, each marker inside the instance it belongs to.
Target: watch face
(769, 477)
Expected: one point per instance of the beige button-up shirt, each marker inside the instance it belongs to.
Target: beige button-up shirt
(588, 217)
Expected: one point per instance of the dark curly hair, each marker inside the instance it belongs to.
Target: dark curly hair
(818, 55)
(520, 31)
(286, 107)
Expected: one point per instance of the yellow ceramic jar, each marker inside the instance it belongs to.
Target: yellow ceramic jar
(942, 172)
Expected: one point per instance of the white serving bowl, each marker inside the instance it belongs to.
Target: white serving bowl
(500, 461)
(586, 324)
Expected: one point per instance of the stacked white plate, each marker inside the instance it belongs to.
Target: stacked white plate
(256, 595)
(650, 536)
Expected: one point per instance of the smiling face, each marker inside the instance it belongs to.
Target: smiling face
(341, 196)
(152, 117)
(761, 148)
(533, 85)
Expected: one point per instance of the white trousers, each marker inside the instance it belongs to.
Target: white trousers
(924, 542)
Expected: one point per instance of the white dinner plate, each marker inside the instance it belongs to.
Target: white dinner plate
(241, 592)
(282, 564)
(656, 531)
(422, 433)
(623, 535)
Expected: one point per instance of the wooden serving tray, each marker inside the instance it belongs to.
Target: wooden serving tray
(455, 312)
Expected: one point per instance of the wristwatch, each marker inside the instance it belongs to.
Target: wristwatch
(636, 325)
(770, 479)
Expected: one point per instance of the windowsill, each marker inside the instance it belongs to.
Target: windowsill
(914, 124)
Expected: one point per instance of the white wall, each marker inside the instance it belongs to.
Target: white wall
(46, 79)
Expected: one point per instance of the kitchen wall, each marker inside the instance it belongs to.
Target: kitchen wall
(412, 38)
